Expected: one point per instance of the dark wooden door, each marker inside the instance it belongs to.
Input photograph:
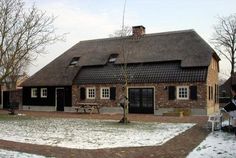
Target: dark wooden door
(60, 99)
(141, 100)
(6, 99)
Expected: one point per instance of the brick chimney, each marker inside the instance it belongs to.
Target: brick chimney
(138, 31)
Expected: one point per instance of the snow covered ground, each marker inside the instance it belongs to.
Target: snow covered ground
(15, 154)
(217, 145)
(89, 134)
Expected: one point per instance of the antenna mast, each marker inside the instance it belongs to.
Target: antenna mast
(123, 19)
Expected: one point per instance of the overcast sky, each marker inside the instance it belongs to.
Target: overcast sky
(91, 19)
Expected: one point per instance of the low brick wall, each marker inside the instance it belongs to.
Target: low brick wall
(161, 100)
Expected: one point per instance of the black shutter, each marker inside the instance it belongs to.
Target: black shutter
(172, 92)
(82, 93)
(193, 92)
(113, 93)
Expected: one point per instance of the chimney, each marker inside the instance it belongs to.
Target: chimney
(138, 31)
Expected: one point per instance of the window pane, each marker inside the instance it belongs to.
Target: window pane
(90, 93)
(105, 93)
(183, 92)
(33, 92)
(44, 92)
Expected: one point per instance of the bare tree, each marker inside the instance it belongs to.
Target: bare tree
(123, 51)
(126, 31)
(24, 33)
(224, 38)
(124, 76)
(17, 74)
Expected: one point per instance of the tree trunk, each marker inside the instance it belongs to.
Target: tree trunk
(126, 109)
(125, 115)
(232, 65)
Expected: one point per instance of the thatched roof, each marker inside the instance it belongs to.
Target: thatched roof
(184, 46)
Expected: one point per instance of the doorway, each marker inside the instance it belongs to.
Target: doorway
(60, 99)
(6, 99)
(141, 100)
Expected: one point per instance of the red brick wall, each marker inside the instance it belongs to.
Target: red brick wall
(161, 95)
(104, 102)
(162, 100)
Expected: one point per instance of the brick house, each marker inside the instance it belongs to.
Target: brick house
(165, 71)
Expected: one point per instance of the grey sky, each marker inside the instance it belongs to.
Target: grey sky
(92, 19)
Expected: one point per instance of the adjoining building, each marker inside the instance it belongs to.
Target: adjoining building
(11, 92)
(225, 90)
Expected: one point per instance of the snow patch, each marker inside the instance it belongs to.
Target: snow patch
(217, 145)
(15, 154)
(89, 134)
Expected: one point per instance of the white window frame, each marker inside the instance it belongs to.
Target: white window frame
(101, 93)
(34, 93)
(42, 94)
(181, 98)
(87, 92)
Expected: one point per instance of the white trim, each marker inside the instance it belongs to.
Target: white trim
(33, 95)
(109, 93)
(177, 92)
(41, 93)
(154, 93)
(56, 97)
(87, 92)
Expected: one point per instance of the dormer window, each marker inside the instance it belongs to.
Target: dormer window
(74, 61)
(112, 58)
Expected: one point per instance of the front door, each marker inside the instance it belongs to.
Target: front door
(141, 100)
(60, 99)
(6, 99)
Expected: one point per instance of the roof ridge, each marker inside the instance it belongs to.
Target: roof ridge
(171, 32)
(145, 35)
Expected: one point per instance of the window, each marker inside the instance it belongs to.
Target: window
(183, 92)
(105, 93)
(91, 93)
(112, 58)
(44, 92)
(224, 93)
(210, 92)
(33, 92)
(74, 61)
(213, 64)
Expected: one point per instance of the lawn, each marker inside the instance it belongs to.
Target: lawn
(98, 134)
(6, 117)
(15, 154)
(88, 134)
